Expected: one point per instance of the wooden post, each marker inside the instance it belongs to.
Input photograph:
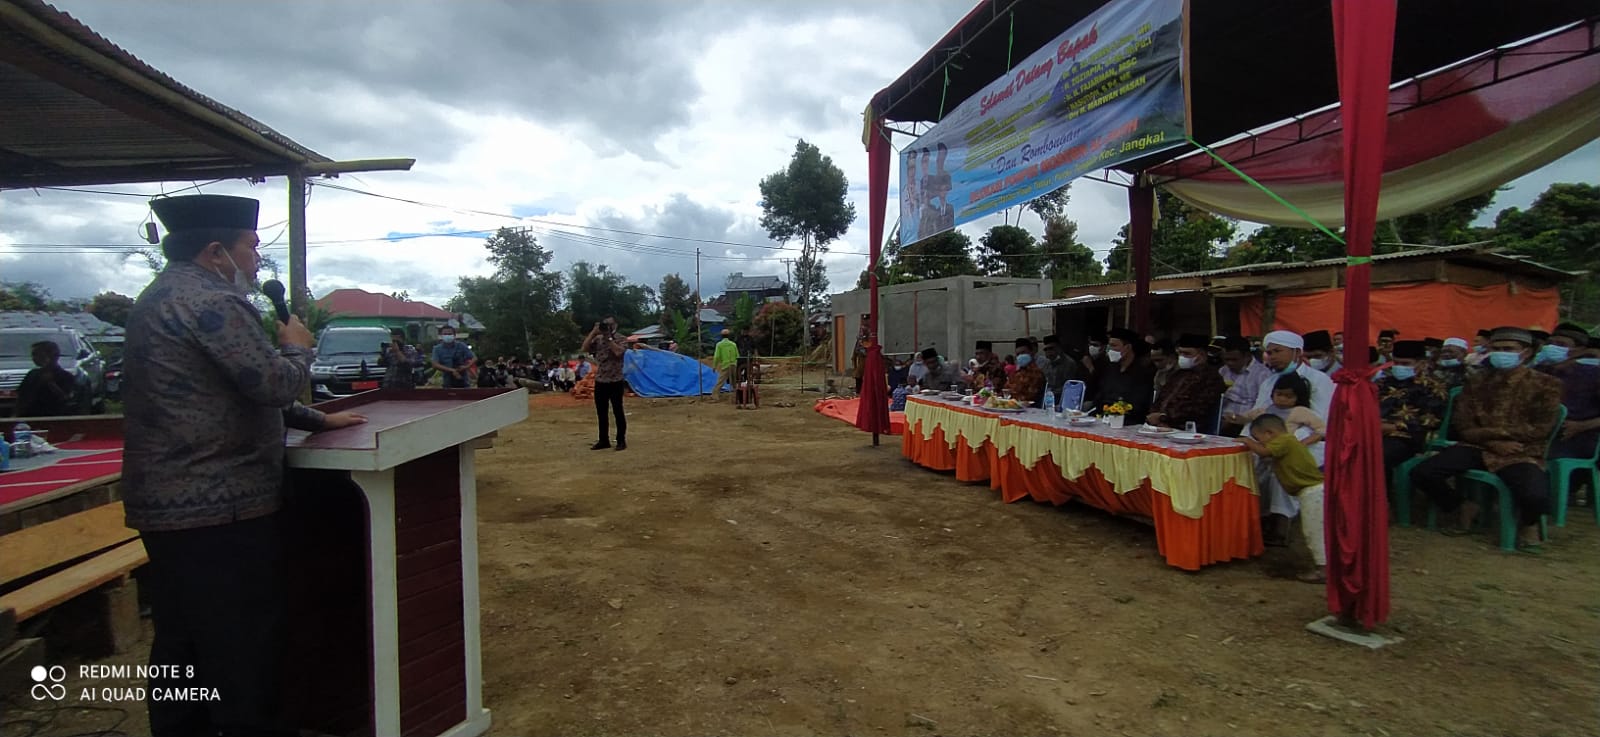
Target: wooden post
(1211, 298)
(299, 293)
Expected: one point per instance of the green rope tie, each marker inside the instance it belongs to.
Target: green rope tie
(1357, 260)
(946, 91)
(1011, 39)
(1274, 195)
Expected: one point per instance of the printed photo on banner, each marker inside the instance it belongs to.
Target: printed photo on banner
(1108, 90)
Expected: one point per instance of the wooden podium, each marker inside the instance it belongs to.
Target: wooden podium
(383, 535)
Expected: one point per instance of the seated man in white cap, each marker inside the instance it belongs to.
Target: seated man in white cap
(1283, 353)
(1450, 364)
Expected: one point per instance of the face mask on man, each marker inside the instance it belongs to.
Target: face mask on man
(1094, 351)
(1403, 373)
(1552, 354)
(1590, 361)
(1023, 360)
(1186, 362)
(1505, 360)
(1449, 362)
(447, 338)
(1114, 356)
(239, 280)
(1320, 364)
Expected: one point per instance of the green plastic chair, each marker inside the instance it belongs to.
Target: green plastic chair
(1400, 483)
(1441, 439)
(1561, 471)
(1478, 480)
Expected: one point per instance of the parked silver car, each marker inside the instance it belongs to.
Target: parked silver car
(78, 357)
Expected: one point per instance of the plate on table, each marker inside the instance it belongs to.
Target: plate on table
(1083, 420)
(1153, 430)
(1010, 410)
(926, 392)
(949, 395)
(1187, 438)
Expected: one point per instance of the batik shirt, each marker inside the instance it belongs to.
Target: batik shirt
(1190, 395)
(400, 371)
(206, 400)
(1416, 406)
(1518, 406)
(609, 364)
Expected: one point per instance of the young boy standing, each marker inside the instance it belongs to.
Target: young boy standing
(1297, 470)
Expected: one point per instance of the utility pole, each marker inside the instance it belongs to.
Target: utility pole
(787, 290)
(699, 338)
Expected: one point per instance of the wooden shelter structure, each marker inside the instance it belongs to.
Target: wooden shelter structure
(77, 110)
(1247, 66)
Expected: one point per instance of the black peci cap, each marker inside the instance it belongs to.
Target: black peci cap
(201, 211)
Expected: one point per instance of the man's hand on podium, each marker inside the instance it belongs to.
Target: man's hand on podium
(336, 420)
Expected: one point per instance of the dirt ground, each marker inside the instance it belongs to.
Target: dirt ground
(771, 573)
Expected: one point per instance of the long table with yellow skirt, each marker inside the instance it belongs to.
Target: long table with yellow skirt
(1201, 497)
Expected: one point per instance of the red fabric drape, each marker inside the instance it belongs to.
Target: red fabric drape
(1417, 309)
(1357, 523)
(1141, 234)
(873, 416)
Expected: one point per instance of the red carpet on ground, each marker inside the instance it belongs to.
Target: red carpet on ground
(845, 411)
(18, 485)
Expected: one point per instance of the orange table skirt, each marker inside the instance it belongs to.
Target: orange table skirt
(1229, 529)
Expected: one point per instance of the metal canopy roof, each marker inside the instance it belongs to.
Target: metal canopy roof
(76, 109)
(1252, 63)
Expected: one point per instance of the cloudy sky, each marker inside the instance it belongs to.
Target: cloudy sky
(644, 118)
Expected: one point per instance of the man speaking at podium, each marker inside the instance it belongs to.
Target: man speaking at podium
(207, 400)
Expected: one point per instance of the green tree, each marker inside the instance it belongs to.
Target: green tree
(595, 292)
(520, 305)
(25, 296)
(1442, 226)
(676, 299)
(1185, 239)
(1008, 250)
(1065, 259)
(1561, 229)
(1051, 205)
(744, 314)
(779, 328)
(111, 307)
(806, 200)
(1276, 243)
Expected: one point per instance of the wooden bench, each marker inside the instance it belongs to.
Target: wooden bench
(41, 596)
(49, 545)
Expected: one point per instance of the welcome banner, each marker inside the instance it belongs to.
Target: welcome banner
(1108, 90)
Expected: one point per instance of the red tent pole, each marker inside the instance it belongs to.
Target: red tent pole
(1357, 522)
(1141, 233)
(873, 412)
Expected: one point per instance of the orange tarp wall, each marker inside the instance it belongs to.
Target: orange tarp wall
(1423, 310)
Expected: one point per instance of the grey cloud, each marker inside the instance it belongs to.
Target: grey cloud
(684, 217)
(327, 272)
(619, 69)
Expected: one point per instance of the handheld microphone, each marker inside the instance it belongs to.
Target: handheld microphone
(274, 291)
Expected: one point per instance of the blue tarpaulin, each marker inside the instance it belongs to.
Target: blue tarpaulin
(664, 374)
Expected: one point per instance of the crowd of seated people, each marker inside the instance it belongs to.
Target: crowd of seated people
(1504, 393)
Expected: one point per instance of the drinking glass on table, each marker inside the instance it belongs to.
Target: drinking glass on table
(1188, 427)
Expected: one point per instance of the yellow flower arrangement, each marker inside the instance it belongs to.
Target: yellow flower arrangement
(1117, 408)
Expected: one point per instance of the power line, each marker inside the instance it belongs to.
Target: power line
(569, 225)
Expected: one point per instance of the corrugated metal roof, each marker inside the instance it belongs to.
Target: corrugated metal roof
(741, 283)
(710, 316)
(77, 108)
(86, 324)
(1089, 299)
